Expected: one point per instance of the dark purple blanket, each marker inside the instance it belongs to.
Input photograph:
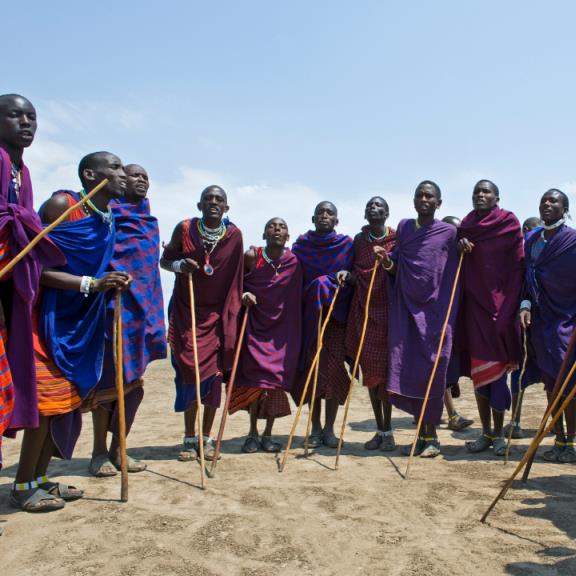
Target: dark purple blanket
(426, 259)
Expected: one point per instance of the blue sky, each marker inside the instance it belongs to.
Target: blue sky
(289, 103)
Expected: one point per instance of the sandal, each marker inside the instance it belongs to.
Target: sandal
(134, 466)
(568, 456)
(481, 444)
(35, 500)
(101, 467)
(457, 422)
(517, 432)
(64, 491)
(315, 440)
(431, 448)
(251, 445)
(375, 442)
(499, 444)
(420, 445)
(269, 445)
(388, 442)
(329, 440)
(553, 455)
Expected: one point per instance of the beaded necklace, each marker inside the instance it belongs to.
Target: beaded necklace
(210, 238)
(16, 179)
(268, 260)
(105, 216)
(376, 238)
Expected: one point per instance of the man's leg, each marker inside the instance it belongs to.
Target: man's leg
(328, 437)
(100, 465)
(554, 454)
(431, 442)
(252, 442)
(378, 409)
(569, 454)
(485, 441)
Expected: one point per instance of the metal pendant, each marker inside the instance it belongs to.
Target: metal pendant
(208, 270)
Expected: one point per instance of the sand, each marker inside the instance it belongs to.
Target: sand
(254, 521)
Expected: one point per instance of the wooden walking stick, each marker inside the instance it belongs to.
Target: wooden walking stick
(199, 419)
(314, 386)
(520, 395)
(557, 392)
(51, 227)
(356, 362)
(535, 443)
(119, 357)
(229, 391)
(307, 382)
(435, 367)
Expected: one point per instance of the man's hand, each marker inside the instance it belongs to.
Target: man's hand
(465, 246)
(343, 276)
(525, 319)
(189, 266)
(248, 299)
(112, 280)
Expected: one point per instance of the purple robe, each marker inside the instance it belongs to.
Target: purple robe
(19, 224)
(426, 262)
(551, 282)
(270, 350)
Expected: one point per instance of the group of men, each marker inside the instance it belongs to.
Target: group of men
(475, 283)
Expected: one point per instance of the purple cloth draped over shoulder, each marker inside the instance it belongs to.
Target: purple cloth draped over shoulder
(322, 256)
(271, 347)
(492, 277)
(136, 252)
(19, 224)
(551, 282)
(426, 262)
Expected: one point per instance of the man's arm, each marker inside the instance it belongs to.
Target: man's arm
(184, 266)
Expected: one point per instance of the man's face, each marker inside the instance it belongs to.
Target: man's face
(137, 183)
(376, 210)
(276, 233)
(551, 207)
(325, 217)
(213, 204)
(484, 197)
(110, 166)
(17, 122)
(426, 200)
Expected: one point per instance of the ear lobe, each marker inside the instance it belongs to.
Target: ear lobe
(226, 208)
(199, 206)
(88, 174)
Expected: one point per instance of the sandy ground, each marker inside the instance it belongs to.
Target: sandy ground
(254, 521)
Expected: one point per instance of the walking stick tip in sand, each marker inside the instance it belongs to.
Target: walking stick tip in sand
(28, 248)
(316, 359)
(356, 362)
(119, 358)
(199, 419)
(230, 389)
(435, 367)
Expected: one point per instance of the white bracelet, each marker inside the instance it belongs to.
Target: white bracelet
(177, 266)
(85, 284)
(526, 305)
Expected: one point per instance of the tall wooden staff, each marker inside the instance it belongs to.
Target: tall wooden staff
(306, 384)
(556, 395)
(535, 443)
(435, 367)
(356, 362)
(51, 227)
(119, 358)
(199, 422)
(314, 386)
(520, 395)
(229, 391)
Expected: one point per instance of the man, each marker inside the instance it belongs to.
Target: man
(19, 224)
(326, 259)
(269, 356)
(374, 356)
(492, 275)
(71, 319)
(136, 252)
(424, 264)
(532, 374)
(456, 422)
(550, 309)
(209, 248)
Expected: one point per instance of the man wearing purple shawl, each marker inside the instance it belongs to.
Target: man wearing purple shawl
(424, 264)
(19, 224)
(327, 259)
(549, 308)
(489, 340)
(136, 252)
(269, 356)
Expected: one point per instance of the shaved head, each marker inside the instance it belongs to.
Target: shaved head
(276, 220)
(213, 188)
(10, 99)
(326, 204)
